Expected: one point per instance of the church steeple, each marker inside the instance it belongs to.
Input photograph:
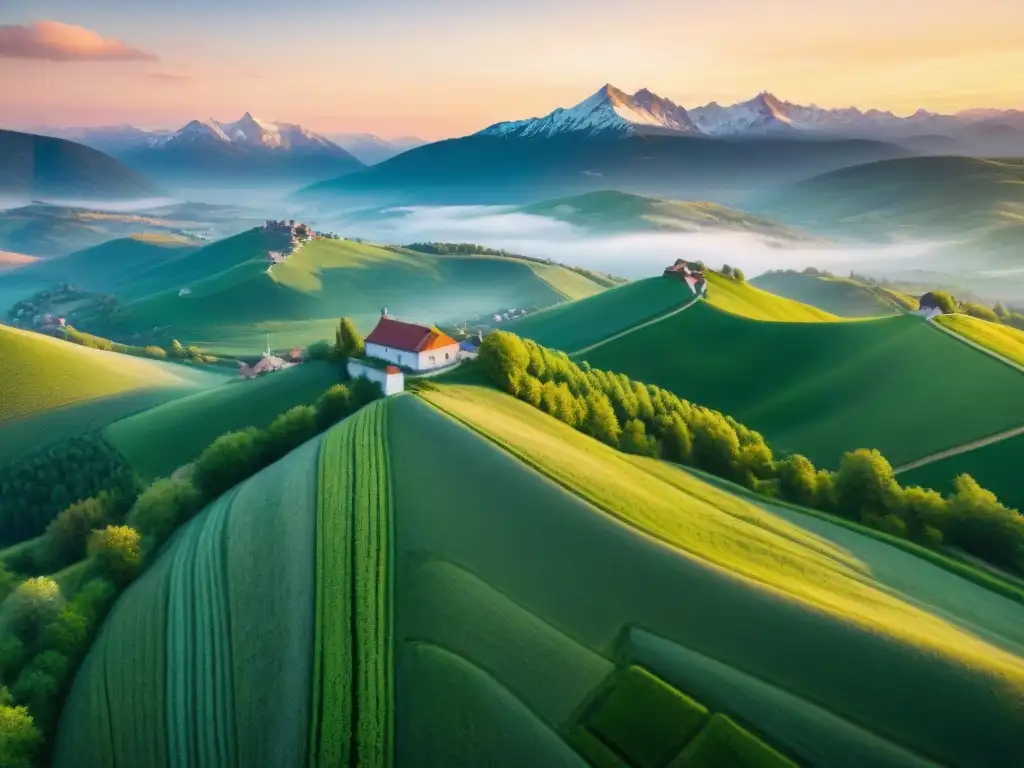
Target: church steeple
(267, 351)
(384, 312)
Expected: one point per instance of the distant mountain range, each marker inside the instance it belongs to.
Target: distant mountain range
(611, 111)
(241, 151)
(43, 166)
(370, 148)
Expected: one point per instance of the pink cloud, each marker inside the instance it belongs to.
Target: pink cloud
(55, 41)
(167, 77)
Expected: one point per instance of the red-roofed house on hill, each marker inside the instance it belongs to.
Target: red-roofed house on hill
(410, 346)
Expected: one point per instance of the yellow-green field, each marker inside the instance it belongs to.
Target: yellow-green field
(41, 374)
(1004, 340)
(749, 301)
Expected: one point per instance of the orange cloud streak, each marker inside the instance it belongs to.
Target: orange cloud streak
(56, 41)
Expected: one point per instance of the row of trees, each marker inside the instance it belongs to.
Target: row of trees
(735, 273)
(650, 421)
(45, 637)
(472, 249)
(174, 351)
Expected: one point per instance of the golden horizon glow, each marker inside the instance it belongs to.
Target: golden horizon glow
(409, 74)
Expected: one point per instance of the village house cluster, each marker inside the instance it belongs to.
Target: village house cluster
(297, 232)
(690, 273)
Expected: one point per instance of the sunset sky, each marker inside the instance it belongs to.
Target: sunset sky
(436, 68)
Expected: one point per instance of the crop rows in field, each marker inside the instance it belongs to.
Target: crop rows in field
(204, 660)
(352, 666)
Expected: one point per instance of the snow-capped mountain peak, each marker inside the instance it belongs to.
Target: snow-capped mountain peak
(249, 131)
(607, 112)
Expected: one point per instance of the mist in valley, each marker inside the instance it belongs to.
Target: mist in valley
(632, 256)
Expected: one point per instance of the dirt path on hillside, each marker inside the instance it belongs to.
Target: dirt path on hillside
(961, 449)
(966, 447)
(628, 331)
(977, 346)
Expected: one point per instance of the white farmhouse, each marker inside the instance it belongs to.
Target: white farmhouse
(414, 347)
(390, 378)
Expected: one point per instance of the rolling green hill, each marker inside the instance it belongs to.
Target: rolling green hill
(915, 195)
(197, 420)
(44, 166)
(746, 300)
(43, 374)
(612, 211)
(839, 295)
(578, 324)
(275, 627)
(824, 388)
(115, 266)
(1003, 340)
(237, 296)
(45, 230)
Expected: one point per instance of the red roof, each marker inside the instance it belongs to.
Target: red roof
(407, 336)
(392, 369)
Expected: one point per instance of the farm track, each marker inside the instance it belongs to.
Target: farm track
(973, 444)
(642, 325)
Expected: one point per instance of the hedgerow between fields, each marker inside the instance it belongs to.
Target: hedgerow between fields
(45, 636)
(649, 421)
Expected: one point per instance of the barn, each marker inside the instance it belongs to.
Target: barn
(414, 347)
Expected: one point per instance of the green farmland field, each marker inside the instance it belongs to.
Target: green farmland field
(821, 389)
(996, 466)
(744, 299)
(158, 441)
(41, 373)
(821, 595)
(379, 611)
(576, 325)
(838, 295)
(237, 296)
(1004, 340)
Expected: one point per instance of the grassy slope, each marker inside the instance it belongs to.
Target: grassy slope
(158, 441)
(837, 295)
(824, 388)
(235, 301)
(614, 211)
(916, 195)
(219, 630)
(791, 592)
(455, 712)
(115, 266)
(995, 466)
(749, 301)
(570, 284)
(1004, 340)
(42, 373)
(581, 323)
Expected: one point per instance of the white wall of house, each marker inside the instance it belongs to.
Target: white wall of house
(391, 383)
(396, 356)
(437, 358)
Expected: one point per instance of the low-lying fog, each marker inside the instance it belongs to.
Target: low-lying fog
(627, 255)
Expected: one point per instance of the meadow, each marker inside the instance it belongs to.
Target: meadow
(42, 374)
(821, 389)
(578, 324)
(996, 466)
(742, 298)
(364, 599)
(836, 295)
(735, 558)
(195, 421)
(1004, 340)
(236, 295)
